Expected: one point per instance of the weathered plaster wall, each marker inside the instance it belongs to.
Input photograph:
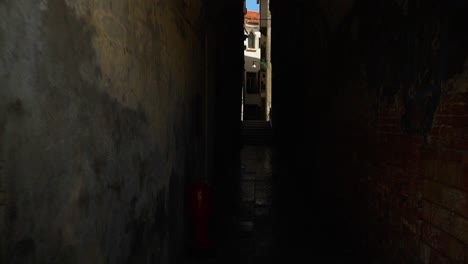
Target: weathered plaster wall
(96, 113)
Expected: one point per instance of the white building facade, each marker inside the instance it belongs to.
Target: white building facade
(253, 90)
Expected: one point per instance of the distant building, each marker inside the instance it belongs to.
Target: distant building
(257, 68)
(252, 92)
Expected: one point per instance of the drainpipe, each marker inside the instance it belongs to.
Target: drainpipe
(269, 70)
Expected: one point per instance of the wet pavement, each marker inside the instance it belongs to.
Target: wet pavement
(255, 220)
(277, 218)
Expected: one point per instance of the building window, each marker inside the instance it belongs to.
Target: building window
(251, 40)
(251, 83)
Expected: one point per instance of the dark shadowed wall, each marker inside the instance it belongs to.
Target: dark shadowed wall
(101, 104)
(374, 125)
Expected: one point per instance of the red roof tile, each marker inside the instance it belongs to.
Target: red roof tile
(252, 17)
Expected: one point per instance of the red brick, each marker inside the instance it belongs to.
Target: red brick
(429, 153)
(410, 244)
(447, 172)
(451, 120)
(455, 98)
(453, 108)
(430, 256)
(415, 168)
(446, 220)
(451, 132)
(411, 223)
(447, 197)
(443, 242)
(464, 178)
(413, 186)
(457, 144)
(437, 142)
(427, 212)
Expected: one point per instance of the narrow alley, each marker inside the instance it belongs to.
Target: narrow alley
(233, 131)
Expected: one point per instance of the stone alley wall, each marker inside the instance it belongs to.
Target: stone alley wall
(96, 116)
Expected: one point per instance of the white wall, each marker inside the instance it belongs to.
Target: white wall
(252, 55)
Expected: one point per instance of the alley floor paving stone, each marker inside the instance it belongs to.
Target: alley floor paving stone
(253, 237)
(256, 174)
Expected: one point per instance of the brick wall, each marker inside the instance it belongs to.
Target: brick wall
(386, 122)
(416, 189)
(411, 186)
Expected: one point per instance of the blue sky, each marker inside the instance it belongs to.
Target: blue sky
(252, 5)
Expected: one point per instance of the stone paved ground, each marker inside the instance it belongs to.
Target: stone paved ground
(255, 221)
(273, 222)
(252, 237)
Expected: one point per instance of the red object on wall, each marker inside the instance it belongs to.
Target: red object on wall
(200, 215)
